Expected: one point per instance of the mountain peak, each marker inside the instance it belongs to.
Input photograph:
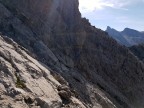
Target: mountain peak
(127, 37)
(129, 30)
(108, 27)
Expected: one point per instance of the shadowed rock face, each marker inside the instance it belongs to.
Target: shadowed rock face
(138, 51)
(101, 72)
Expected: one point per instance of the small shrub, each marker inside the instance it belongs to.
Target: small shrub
(19, 83)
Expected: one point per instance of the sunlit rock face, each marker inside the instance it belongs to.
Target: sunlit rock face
(26, 82)
(100, 72)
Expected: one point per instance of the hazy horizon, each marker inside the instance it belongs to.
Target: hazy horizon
(117, 14)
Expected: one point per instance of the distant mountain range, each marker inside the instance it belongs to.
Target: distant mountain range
(127, 37)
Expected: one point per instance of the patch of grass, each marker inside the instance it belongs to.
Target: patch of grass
(19, 83)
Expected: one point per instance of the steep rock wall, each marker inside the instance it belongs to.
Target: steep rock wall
(87, 58)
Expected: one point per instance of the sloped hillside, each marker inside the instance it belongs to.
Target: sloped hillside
(27, 83)
(100, 71)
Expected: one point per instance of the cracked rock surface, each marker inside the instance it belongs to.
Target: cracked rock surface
(24, 81)
(62, 61)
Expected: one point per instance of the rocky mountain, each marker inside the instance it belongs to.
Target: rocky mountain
(117, 36)
(73, 63)
(127, 37)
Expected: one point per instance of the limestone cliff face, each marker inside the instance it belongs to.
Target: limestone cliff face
(47, 15)
(101, 72)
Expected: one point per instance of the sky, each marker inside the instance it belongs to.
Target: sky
(117, 14)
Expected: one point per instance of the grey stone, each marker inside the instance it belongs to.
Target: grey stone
(85, 58)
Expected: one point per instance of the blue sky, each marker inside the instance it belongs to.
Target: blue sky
(117, 14)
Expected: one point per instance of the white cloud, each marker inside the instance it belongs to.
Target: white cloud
(91, 5)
